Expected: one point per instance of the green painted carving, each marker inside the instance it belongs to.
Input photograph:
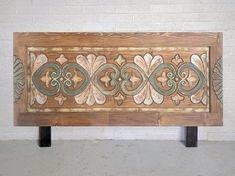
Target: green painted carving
(113, 83)
(55, 75)
(183, 82)
(19, 78)
(148, 79)
(126, 76)
(119, 79)
(171, 83)
(67, 76)
(181, 76)
(61, 79)
(217, 79)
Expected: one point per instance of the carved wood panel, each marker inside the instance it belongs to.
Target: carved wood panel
(96, 79)
(106, 77)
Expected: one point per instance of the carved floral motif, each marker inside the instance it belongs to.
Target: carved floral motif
(76, 78)
(37, 62)
(148, 79)
(201, 63)
(47, 79)
(148, 94)
(119, 98)
(91, 94)
(177, 99)
(120, 60)
(60, 99)
(177, 59)
(61, 59)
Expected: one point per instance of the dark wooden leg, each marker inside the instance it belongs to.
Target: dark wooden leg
(191, 137)
(44, 136)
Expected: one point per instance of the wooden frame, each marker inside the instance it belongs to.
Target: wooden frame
(212, 117)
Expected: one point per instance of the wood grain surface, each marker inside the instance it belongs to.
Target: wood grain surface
(118, 79)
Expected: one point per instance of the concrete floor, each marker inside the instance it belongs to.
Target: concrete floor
(116, 158)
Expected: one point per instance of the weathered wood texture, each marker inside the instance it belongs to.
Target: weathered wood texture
(113, 79)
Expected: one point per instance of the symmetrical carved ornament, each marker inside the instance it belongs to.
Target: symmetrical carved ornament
(90, 79)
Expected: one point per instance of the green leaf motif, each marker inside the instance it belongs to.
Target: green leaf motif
(218, 80)
(19, 78)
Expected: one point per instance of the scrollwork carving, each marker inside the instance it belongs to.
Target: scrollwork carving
(147, 79)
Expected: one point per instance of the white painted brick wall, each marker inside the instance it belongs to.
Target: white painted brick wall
(117, 16)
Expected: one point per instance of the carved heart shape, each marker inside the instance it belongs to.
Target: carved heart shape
(107, 75)
(132, 84)
(66, 86)
(186, 78)
(170, 82)
(55, 74)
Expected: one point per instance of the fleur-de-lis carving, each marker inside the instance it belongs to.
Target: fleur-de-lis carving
(106, 79)
(134, 79)
(119, 99)
(177, 59)
(163, 78)
(46, 79)
(61, 59)
(76, 79)
(177, 99)
(120, 60)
